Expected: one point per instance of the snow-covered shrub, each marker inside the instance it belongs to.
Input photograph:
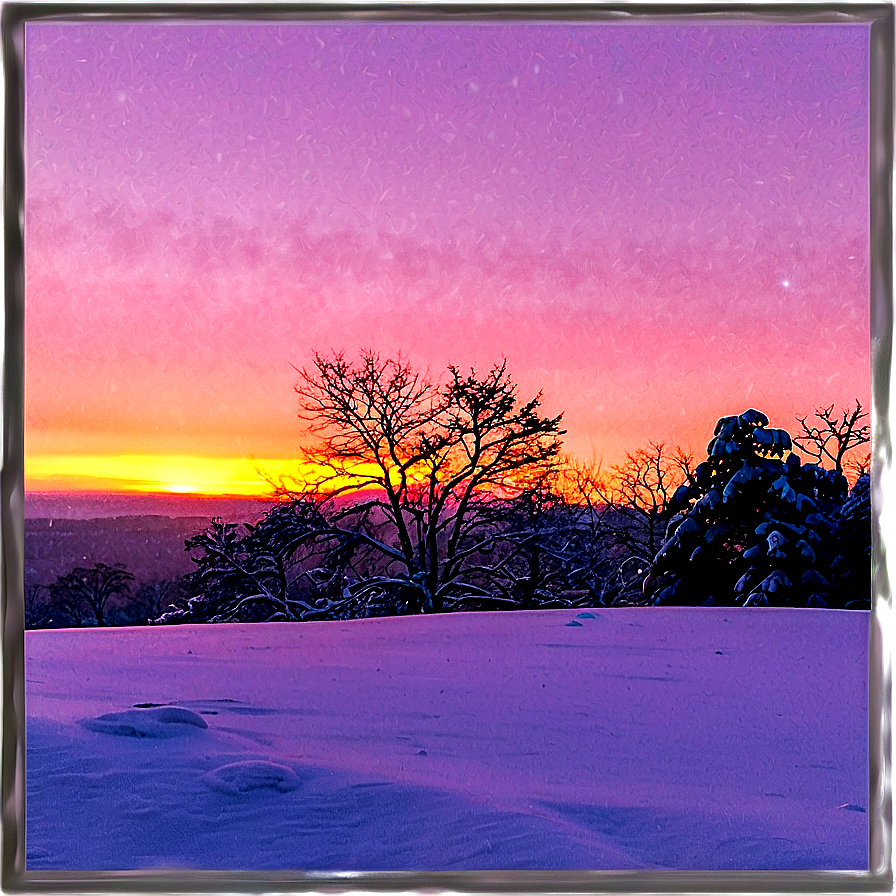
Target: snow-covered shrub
(292, 565)
(851, 568)
(756, 527)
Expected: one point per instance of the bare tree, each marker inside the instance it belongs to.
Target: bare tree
(91, 587)
(828, 436)
(42, 612)
(637, 497)
(398, 495)
(597, 540)
(536, 552)
(430, 455)
(151, 600)
(856, 467)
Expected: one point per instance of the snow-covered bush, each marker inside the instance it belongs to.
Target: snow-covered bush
(756, 527)
(851, 568)
(253, 573)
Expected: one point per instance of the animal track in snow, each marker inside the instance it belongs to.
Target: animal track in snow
(237, 778)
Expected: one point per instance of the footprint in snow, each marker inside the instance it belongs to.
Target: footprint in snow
(157, 722)
(243, 777)
(574, 623)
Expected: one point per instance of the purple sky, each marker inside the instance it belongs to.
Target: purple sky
(656, 225)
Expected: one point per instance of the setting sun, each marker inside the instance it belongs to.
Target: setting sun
(181, 474)
(182, 488)
(160, 474)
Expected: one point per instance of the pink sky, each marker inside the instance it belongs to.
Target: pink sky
(656, 225)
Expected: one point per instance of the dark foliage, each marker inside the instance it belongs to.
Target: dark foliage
(83, 595)
(289, 566)
(629, 512)
(149, 601)
(59, 607)
(851, 567)
(413, 476)
(826, 437)
(756, 527)
(41, 612)
(541, 551)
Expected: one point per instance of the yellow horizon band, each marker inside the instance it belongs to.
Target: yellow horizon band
(175, 474)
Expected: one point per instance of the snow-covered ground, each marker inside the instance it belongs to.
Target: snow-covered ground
(669, 738)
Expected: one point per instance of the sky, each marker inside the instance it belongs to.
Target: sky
(655, 224)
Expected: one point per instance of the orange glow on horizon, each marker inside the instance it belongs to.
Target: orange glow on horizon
(181, 475)
(157, 474)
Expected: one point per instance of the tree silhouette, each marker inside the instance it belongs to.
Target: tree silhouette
(611, 526)
(150, 600)
(827, 437)
(538, 552)
(753, 526)
(851, 566)
(398, 498)
(638, 505)
(91, 587)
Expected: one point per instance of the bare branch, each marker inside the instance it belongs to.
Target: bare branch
(826, 437)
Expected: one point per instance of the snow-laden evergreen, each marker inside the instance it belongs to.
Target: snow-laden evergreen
(754, 526)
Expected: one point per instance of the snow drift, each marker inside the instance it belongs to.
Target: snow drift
(641, 738)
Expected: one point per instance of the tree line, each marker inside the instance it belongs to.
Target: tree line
(436, 495)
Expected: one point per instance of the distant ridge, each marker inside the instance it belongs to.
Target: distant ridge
(102, 505)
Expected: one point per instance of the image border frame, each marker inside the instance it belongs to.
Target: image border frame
(879, 878)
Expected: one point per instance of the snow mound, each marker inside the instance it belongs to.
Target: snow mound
(165, 721)
(237, 778)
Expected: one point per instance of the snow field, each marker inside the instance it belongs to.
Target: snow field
(642, 738)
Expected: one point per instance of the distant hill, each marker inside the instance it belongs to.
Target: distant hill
(152, 547)
(94, 505)
(146, 532)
